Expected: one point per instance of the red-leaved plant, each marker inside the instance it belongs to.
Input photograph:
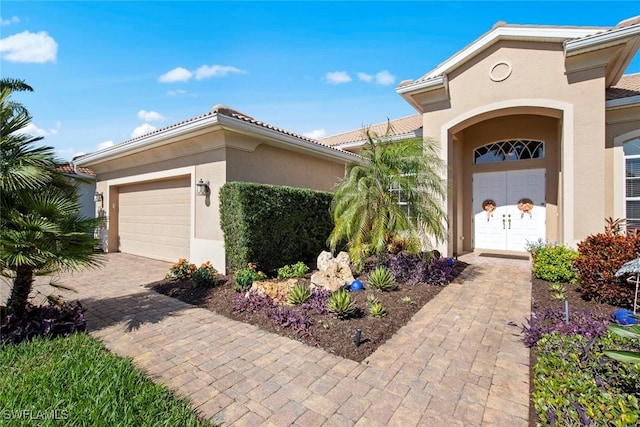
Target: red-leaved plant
(600, 256)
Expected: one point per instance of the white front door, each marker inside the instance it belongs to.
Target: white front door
(508, 209)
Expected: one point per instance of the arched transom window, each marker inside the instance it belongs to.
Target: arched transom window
(508, 151)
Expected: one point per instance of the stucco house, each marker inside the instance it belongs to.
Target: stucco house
(540, 131)
(160, 190)
(539, 128)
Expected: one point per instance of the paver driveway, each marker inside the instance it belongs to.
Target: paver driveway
(459, 361)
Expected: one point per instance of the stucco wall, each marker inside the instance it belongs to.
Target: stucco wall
(536, 85)
(272, 165)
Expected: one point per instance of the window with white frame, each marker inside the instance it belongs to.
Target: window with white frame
(400, 198)
(632, 183)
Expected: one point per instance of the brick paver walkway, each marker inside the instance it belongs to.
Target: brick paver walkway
(459, 362)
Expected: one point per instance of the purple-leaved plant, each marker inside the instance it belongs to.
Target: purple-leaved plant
(250, 302)
(49, 321)
(292, 318)
(318, 300)
(551, 320)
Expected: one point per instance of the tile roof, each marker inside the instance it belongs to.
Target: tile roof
(401, 126)
(224, 110)
(69, 169)
(628, 85)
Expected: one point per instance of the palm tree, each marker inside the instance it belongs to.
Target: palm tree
(41, 230)
(366, 209)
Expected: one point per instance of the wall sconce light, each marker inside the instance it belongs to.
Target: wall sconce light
(202, 188)
(97, 198)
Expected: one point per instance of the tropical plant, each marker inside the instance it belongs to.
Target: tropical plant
(631, 332)
(299, 294)
(365, 206)
(299, 269)
(340, 305)
(205, 275)
(381, 279)
(377, 310)
(41, 229)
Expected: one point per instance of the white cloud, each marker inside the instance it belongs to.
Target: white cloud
(9, 21)
(316, 134)
(205, 71)
(150, 116)
(337, 77)
(178, 74)
(105, 144)
(34, 130)
(365, 77)
(29, 47)
(176, 92)
(142, 130)
(385, 78)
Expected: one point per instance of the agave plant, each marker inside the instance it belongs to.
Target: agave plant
(632, 332)
(382, 279)
(299, 294)
(377, 310)
(371, 299)
(340, 305)
(558, 291)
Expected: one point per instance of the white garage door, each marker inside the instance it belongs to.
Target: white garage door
(154, 219)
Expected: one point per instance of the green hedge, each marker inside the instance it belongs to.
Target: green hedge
(272, 226)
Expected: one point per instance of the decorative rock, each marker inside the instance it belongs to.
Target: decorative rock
(278, 291)
(332, 272)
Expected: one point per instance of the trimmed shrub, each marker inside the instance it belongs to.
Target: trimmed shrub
(555, 264)
(600, 256)
(273, 226)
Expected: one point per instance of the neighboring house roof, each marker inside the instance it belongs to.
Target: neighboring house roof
(409, 126)
(224, 117)
(627, 86)
(69, 169)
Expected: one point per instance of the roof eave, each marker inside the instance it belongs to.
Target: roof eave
(289, 141)
(146, 142)
(509, 33)
(629, 101)
(408, 92)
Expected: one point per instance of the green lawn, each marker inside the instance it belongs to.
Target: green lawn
(75, 381)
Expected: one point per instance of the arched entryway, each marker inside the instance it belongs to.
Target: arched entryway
(505, 177)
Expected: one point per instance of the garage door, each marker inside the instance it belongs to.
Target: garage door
(154, 219)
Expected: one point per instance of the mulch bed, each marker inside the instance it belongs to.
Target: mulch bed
(541, 298)
(333, 335)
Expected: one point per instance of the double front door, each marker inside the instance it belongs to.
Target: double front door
(508, 209)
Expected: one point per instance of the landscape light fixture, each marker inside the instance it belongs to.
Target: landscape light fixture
(202, 188)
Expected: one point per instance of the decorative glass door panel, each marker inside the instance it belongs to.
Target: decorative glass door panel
(508, 209)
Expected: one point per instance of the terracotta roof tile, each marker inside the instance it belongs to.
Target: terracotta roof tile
(226, 111)
(402, 126)
(69, 169)
(627, 86)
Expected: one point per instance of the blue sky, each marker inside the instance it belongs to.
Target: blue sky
(106, 71)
